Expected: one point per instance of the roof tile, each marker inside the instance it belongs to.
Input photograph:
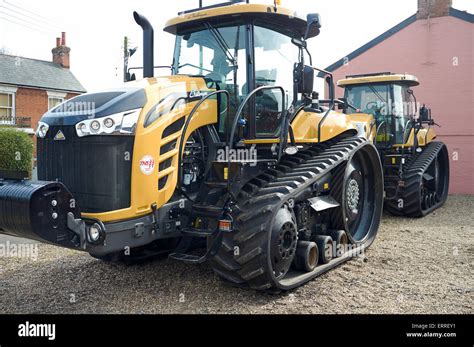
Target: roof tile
(28, 72)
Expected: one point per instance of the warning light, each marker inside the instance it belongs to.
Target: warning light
(225, 225)
(226, 173)
(277, 2)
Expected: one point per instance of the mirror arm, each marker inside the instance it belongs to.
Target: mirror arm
(330, 81)
(309, 55)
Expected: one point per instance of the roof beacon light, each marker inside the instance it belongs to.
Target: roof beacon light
(277, 2)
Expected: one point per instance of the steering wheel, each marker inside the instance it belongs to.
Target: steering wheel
(216, 77)
(372, 105)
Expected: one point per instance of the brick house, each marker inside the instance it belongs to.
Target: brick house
(30, 87)
(436, 45)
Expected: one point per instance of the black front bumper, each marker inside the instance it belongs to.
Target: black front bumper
(48, 212)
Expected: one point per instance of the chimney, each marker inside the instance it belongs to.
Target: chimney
(433, 8)
(61, 52)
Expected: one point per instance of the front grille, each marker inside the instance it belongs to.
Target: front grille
(96, 169)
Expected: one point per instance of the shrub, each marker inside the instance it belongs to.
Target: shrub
(16, 150)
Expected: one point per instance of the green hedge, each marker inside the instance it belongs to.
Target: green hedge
(16, 150)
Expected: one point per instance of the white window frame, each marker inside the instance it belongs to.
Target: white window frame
(55, 95)
(10, 91)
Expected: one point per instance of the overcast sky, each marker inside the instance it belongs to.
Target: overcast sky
(95, 29)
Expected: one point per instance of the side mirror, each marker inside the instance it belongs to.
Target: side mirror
(425, 114)
(313, 26)
(342, 105)
(330, 82)
(304, 79)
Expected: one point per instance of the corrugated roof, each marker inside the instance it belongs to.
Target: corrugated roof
(35, 73)
(463, 15)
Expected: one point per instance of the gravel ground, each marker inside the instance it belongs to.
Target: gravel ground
(414, 266)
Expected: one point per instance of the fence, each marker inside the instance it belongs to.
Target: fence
(16, 122)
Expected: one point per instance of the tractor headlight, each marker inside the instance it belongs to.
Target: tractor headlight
(95, 234)
(81, 129)
(95, 127)
(42, 130)
(123, 123)
(109, 123)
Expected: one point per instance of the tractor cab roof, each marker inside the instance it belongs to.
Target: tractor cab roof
(384, 77)
(277, 17)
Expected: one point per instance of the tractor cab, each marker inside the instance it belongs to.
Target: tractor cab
(246, 52)
(389, 98)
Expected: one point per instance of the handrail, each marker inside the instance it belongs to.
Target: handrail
(186, 125)
(377, 132)
(405, 139)
(374, 123)
(331, 95)
(244, 103)
(283, 132)
(405, 133)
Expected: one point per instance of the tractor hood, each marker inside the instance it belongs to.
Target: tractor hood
(95, 105)
(143, 94)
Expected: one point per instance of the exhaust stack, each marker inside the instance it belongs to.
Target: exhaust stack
(148, 44)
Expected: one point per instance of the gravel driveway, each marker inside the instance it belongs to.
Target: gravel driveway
(415, 266)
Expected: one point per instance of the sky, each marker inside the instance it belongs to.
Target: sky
(95, 29)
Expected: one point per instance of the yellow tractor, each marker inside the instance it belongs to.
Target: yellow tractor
(234, 148)
(416, 168)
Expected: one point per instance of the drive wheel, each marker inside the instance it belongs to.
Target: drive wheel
(358, 187)
(266, 258)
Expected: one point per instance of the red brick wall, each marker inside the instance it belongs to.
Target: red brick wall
(433, 8)
(33, 103)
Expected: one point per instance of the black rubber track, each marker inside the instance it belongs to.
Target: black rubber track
(411, 193)
(242, 259)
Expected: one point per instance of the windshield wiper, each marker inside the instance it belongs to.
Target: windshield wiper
(222, 43)
(377, 94)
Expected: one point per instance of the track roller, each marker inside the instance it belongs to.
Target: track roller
(340, 239)
(326, 246)
(307, 255)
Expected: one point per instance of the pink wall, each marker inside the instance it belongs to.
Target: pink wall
(439, 52)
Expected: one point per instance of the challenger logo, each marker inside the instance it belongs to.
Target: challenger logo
(198, 94)
(60, 136)
(147, 165)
